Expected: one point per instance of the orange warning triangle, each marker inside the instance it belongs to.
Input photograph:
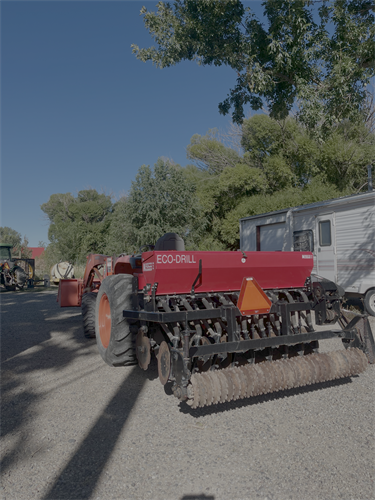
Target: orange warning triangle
(252, 299)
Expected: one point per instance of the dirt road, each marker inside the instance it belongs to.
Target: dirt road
(74, 428)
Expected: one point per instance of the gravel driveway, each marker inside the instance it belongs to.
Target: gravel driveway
(74, 428)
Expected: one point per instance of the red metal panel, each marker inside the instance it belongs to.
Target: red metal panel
(122, 265)
(175, 272)
(70, 293)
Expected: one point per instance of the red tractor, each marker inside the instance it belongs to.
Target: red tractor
(222, 325)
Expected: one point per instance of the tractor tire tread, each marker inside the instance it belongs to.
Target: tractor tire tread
(121, 348)
(88, 314)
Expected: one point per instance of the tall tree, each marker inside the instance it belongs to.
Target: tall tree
(319, 54)
(281, 165)
(162, 199)
(78, 225)
(120, 230)
(290, 156)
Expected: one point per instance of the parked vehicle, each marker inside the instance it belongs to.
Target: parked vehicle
(222, 325)
(62, 270)
(340, 233)
(12, 276)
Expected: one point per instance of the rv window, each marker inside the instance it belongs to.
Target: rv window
(303, 241)
(325, 233)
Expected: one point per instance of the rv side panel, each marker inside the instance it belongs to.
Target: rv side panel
(355, 244)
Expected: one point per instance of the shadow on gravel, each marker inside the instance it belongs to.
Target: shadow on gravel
(198, 497)
(240, 403)
(27, 322)
(39, 337)
(28, 319)
(14, 414)
(80, 476)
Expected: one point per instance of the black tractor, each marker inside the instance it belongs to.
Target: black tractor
(11, 275)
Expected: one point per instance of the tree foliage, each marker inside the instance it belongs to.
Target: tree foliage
(281, 165)
(290, 156)
(20, 246)
(78, 225)
(161, 200)
(120, 230)
(210, 154)
(319, 54)
(10, 236)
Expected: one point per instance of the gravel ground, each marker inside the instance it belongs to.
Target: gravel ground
(74, 428)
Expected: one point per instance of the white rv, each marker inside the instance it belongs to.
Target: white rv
(340, 233)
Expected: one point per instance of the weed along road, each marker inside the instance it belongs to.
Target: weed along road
(75, 428)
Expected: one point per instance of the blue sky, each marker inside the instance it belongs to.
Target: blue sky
(79, 111)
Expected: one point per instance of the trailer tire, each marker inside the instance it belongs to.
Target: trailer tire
(88, 314)
(370, 302)
(115, 337)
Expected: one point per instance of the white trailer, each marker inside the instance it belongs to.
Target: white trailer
(340, 233)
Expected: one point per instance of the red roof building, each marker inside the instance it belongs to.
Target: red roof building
(36, 251)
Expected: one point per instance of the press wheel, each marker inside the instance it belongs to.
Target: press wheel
(143, 350)
(164, 362)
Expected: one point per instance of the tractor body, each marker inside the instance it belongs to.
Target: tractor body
(222, 325)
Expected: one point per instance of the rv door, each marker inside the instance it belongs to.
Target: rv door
(326, 263)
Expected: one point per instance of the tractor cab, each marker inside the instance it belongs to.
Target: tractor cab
(5, 253)
(11, 276)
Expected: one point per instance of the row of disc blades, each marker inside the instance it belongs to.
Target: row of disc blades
(240, 382)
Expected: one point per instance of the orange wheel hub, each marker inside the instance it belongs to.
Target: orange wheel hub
(104, 320)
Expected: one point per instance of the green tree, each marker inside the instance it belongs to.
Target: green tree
(317, 54)
(20, 245)
(281, 165)
(26, 252)
(221, 175)
(120, 230)
(345, 154)
(78, 225)
(161, 200)
(10, 236)
(282, 149)
(210, 154)
(289, 156)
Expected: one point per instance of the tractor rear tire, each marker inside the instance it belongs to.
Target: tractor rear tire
(21, 277)
(115, 337)
(88, 314)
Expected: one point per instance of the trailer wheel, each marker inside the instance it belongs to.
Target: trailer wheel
(88, 314)
(370, 302)
(114, 335)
